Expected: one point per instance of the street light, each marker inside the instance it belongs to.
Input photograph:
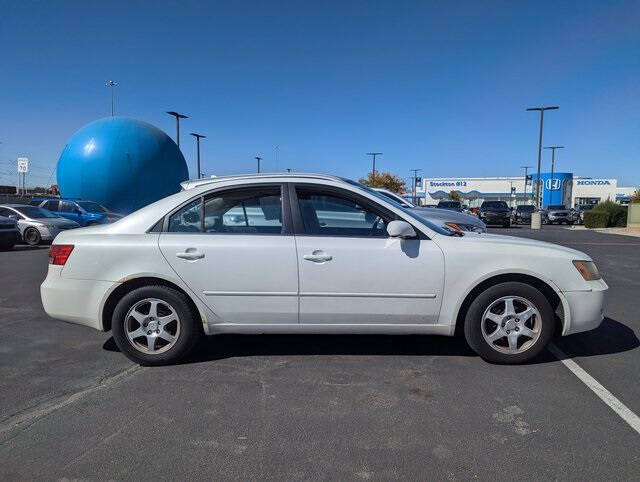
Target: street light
(373, 155)
(526, 169)
(258, 158)
(198, 137)
(541, 109)
(112, 84)
(178, 117)
(553, 159)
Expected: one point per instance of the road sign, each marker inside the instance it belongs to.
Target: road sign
(23, 164)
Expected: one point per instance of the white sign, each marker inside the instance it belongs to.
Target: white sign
(23, 164)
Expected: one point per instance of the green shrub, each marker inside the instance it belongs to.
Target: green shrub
(596, 219)
(617, 213)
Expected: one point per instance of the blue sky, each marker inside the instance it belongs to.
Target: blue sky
(440, 86)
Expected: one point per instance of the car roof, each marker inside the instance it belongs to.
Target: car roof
(186, 185)
(15, 205)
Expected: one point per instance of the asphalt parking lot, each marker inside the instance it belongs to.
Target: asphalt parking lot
(317, 407)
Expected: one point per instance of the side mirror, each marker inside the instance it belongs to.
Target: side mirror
(400, 229)
(13, 216)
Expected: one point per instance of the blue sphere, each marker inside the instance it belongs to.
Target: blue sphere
(121, 163)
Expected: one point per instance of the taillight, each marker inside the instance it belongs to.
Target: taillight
(59, 253)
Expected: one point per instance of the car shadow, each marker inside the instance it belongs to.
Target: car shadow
(610, 338)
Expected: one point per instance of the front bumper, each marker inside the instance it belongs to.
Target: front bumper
(74, 300)
(586, 308)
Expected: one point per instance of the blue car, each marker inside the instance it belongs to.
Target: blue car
(84, 213)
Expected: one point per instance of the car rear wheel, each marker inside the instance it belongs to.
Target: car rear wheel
(155, 325)
(509, 323)
(32, 236)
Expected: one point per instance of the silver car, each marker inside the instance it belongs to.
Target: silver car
(36, 225)
(442, 217)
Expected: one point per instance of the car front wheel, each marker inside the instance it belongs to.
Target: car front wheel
(155, 325)
(32, 236)
(509, 323)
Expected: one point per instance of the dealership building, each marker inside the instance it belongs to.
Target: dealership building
(561, 188)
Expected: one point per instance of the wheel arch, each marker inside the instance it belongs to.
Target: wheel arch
(129, 285)
(546, 287)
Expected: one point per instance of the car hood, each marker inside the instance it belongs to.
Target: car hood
(448, 216)
(496, 240)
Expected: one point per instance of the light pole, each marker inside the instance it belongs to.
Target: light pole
(258, 158)
(373, 155)
(178, 117)
(541, 109)
(112, 84)
(415, 184)
(553, 160)
(198, 137)
(526, 169)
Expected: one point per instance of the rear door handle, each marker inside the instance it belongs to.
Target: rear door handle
(190, 254)
(318, 256)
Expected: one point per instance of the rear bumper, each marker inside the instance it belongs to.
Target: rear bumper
(586, 308)
(76, 301)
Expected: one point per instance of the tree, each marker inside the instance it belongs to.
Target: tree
(635, 199)
(385, 180)
(455, 196)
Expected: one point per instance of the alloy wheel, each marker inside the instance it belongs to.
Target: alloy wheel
(511, 325)
(152, 326)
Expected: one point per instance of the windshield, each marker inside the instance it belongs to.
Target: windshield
(495, 204)
(526, 209)
(34, 212)
(449, 204)
(92, 207)
(556, 207)
(408, 212)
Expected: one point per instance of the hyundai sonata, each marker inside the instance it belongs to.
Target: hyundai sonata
(309, 253)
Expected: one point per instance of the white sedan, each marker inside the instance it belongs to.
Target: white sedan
(308, 253)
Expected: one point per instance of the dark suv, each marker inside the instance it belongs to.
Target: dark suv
(450, 205)
(496, 212)
(522, 214)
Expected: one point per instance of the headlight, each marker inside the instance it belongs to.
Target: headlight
(455, 227)
(587, 269)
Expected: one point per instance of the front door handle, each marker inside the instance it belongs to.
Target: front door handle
(318, 256)
(190, 254)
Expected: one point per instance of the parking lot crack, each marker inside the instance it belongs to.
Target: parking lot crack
(23, 420)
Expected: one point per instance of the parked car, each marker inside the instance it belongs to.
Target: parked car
(85, 213)
(9, 233)
(36, 225)
(442, 217)
(451, 205)
(580, 209)
(318, 254)
(557, 213)
(522, 214)
(495, 212)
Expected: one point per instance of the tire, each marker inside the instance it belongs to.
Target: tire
(32, 236)
(6, 246)
(185, 330)
(477, 330)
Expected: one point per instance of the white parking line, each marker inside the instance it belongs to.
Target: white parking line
(605, 395)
